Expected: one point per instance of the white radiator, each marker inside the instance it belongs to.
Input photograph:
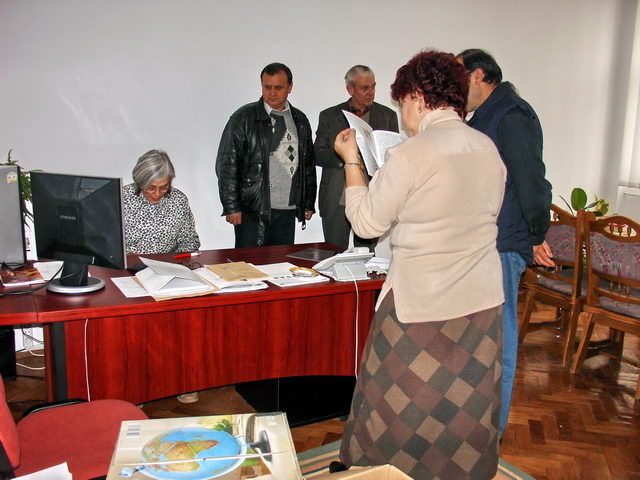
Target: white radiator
(628, 202)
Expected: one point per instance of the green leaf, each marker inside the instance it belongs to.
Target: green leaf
(578, 198)
(568, 206)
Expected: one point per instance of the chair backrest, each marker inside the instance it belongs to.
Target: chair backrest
(9, 441)
(613, 261)
(565, 239)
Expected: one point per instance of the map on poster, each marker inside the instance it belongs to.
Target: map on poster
(196, 448)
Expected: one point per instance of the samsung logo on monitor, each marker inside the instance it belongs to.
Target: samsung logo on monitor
(68, 217)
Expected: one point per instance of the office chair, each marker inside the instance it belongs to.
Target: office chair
(82, 434)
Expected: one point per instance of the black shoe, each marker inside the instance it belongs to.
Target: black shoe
(337, 467)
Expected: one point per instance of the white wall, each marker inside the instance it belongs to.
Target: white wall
(87, 86)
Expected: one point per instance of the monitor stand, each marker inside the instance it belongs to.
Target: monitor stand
(93, 284)
(75, 280)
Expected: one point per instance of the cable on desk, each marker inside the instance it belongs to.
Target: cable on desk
(29, 350)
(28, 367)
(355, 283)
(86, 364)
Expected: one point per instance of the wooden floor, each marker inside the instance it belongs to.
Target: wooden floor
(562, 426)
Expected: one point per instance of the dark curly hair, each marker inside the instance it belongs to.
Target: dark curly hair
(437, 76)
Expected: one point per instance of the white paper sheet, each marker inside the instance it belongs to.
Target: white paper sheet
(58, 472)
(49, 269)
(130, 287)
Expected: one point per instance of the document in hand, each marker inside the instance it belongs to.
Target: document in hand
(164, 279)
(372, 143)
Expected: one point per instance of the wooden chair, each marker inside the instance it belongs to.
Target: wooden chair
(613, 269)
(563, 286)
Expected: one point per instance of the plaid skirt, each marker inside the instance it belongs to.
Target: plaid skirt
(428, 396)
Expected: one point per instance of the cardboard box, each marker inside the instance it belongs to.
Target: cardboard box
(225, 447)
(381, 472)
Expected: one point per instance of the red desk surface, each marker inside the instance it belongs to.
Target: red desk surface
(108, 302)
(140, 349)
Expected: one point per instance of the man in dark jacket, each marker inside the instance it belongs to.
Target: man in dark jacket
(524, 217)
(361, 86)
(266, 175)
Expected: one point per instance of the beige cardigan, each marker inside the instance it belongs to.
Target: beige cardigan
(440, 193)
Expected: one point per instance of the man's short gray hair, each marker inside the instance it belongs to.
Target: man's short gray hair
(350, 77)
(152, 167)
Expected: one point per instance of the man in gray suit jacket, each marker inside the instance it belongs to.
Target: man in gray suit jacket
(361, 86)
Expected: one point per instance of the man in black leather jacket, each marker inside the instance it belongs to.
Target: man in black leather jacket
(265, 165)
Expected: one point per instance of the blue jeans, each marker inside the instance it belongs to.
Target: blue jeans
(513, 266)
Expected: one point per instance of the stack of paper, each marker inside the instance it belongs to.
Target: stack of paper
(238, 282)
(164, 280)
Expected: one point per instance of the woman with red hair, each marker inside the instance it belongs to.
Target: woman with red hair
(427, 398)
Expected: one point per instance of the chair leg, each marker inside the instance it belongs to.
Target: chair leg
(565, 319)
(617, 342)
(584, 344)
(558, 313)
(526, 316)
(569, 347)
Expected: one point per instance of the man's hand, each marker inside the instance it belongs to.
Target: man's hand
(308, 214)
(542, 255)
(234, 218)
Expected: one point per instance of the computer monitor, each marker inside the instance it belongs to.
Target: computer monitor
(78, 219)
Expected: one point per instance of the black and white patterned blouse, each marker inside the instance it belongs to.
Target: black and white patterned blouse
(167, 226)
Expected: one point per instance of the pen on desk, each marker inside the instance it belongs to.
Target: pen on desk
(229, 260)
(186, 255)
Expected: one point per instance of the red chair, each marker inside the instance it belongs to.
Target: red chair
(613, 295)
(83, 435)
(562, 286)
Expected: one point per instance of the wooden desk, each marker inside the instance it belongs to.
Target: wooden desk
(140, 350)
(17, 310)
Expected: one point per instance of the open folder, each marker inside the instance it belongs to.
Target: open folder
(372, 143)
(164, 279)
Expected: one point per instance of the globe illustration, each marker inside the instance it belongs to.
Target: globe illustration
(192, 443)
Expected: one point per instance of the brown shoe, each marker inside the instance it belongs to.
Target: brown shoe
(188, 397)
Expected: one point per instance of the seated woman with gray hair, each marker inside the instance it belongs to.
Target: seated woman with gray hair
(157, 217)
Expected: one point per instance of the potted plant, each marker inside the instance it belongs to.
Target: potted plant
(25, 189)
(599, 207)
